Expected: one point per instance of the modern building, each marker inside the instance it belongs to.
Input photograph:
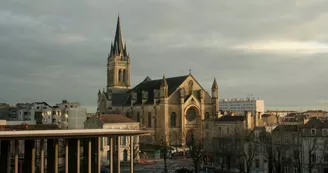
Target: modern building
(69, 115)
(8, 112)
(241, 105)
(171, 107)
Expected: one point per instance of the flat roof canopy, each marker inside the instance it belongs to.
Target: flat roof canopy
(76, 133)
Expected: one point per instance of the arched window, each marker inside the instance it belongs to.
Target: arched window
(207, 116)
(149, 119)
(120, 75)
(124, 76)
(125, 155)
(173, 119)
(191, 114)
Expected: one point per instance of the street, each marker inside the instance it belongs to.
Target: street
(172, 165)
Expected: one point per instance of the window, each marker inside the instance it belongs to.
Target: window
(312, 132)
(257, 163)
(313, 158)
(206, 126)
(219, 130)
(324, 132)
(286, 169)
(173, 119)
(325, 158)
(286, 139)
(295, 170)
(207, 116)
(149, 119)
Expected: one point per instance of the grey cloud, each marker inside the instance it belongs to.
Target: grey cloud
(57, 50)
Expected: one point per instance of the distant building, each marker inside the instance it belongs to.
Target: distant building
(8, 112)
(115, 121)
(69, 115)
(41, 112)
(280, 113)
(240, 105)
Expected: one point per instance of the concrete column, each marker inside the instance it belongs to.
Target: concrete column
(5, 156)
(52, 155)
(131, 155)
(78, 155)
(66, 155)
(89, 155)
(16, 155)
(42, 155)
(116, 157)
(111, 154)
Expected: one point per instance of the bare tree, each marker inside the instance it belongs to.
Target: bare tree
(197, 151)
(163, 144)
(136, 148)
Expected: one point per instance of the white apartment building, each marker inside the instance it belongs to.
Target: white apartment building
(240, 105)
(41, 112)
(70, 115)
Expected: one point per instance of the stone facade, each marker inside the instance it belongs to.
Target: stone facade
(173, 108)
(115, 121)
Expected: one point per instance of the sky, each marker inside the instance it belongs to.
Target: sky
(275, 49)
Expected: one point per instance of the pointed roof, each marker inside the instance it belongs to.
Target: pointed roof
(164, 82)
(118, 39)
(147, 79)
(215, 84)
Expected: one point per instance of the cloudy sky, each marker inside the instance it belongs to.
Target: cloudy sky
(275, 49)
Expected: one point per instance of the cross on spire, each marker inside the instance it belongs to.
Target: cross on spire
(189, 71)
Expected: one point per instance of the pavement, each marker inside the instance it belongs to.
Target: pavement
(172, 165)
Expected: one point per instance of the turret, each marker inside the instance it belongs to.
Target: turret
(164, 88)
(215, 89)
(99, 94)
(215, 98)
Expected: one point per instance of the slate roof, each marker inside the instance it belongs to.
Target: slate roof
(118, 99)
(150, 85)
(282, 127)
(231, 118)
(115, 118)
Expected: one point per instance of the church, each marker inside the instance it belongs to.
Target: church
(172, 108)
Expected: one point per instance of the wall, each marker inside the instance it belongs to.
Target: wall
(76, 118)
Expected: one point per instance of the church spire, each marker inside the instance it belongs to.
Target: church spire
(118, 40)
(215, 84)
(164, 82)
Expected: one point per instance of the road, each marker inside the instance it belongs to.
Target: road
(172, 165)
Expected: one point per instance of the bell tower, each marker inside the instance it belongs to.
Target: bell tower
(118, 64)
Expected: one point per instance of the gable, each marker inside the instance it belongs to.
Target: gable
(192, 100)
(195, 88)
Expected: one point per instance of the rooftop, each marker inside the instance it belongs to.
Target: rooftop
(76, 133)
